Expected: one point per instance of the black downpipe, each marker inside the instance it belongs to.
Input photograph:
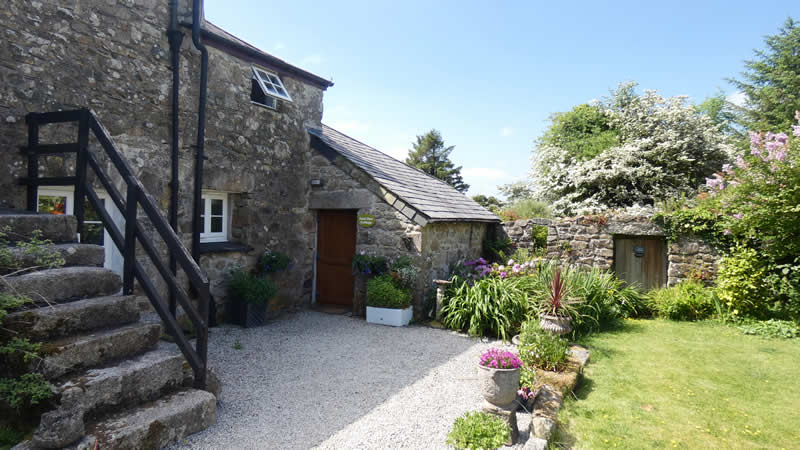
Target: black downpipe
(175, 36)
(201, 130)
(200, 150)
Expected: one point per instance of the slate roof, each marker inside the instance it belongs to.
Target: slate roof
(436, 200)
(255, 54)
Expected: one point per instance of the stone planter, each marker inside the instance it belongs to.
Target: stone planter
(248, 315)
(498, 386)
(556, 324)
(390, 316)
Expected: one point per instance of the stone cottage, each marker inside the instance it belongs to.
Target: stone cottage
(407, 212)
(633, 247)
(263, 184)
(221, 150)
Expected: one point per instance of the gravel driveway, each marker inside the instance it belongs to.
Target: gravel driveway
(328, 381)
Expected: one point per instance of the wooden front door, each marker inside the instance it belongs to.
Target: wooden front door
(336, 245)
(641, 261)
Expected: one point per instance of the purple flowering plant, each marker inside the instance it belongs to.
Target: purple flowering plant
(480, 268)
(496, 358)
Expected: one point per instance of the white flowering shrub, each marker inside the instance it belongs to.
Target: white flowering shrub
(666, 149)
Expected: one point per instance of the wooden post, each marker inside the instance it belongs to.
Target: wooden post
(202, 335)
(82, 161)
(129, 253)
(33, 162)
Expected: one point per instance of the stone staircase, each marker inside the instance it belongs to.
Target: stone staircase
(118, 385)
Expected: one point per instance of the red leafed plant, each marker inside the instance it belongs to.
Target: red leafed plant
(558, 301)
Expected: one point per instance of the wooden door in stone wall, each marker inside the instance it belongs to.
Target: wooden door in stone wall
(336, 246)
(641, 261)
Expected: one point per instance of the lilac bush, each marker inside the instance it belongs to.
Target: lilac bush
(496, 358)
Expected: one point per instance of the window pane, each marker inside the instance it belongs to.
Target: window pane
(202, 223)
(279, 90)
(52, 204)
(216, 207)
(274, 80)
(92, 234)
(270, 88)
(216, 224)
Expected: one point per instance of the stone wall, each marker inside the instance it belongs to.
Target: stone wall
(114, 58)
(588, 241)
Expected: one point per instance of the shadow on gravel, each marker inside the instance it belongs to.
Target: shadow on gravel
(298, 380)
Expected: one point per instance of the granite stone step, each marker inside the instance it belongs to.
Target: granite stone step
(74, 353)
(149, 426)
(136, 380)
(65, 283)
(154, 425)
(74, 255)
(131, 382)
(57, 228)
(67, 319)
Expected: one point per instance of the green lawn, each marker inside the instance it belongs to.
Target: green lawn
(662, 384)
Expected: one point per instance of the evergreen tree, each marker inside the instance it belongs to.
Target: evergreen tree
(491, 202)
(432, 157)
(771, 81)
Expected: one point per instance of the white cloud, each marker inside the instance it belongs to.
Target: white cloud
(738, 98)
(484, 172)
(280, 46)
(311, 60)
(506, 131)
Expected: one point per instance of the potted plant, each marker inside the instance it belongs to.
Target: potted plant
(249, 296)
(554, 315)
(499, 376)
(387, 302)
(272, 261)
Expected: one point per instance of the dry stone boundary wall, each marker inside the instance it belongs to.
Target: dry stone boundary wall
(588, 241)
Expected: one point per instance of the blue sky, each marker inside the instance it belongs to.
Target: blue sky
(489, 74)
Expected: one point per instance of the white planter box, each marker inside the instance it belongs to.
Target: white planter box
(390, 316)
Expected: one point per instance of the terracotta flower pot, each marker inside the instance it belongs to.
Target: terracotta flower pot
(555, 324)
(498, 386)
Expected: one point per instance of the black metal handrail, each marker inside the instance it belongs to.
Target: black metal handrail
(133, 233)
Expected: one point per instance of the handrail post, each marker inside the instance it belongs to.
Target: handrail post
(202, 335)
(80, 171)
(33, 162)
(129, 253)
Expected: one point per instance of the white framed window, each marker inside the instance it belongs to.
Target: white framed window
(270, 84)
(58, 200)
(214, 217)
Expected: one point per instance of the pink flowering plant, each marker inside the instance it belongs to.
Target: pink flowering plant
(480, 268)
(496, 358)
(750, 210)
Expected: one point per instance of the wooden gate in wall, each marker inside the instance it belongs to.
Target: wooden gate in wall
(641, 261)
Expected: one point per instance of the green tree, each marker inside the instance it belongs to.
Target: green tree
(430, 155)
(722, 113)
(583, 132)
(491, 203)
(516, 191)
(771, 81)
(664, 149)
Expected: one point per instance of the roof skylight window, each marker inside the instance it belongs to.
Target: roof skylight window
(270, 84)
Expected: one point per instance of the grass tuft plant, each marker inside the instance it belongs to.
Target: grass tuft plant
(540, 349)
(488, 307)
(478, 430)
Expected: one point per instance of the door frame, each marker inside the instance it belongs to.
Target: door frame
(317, 216)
